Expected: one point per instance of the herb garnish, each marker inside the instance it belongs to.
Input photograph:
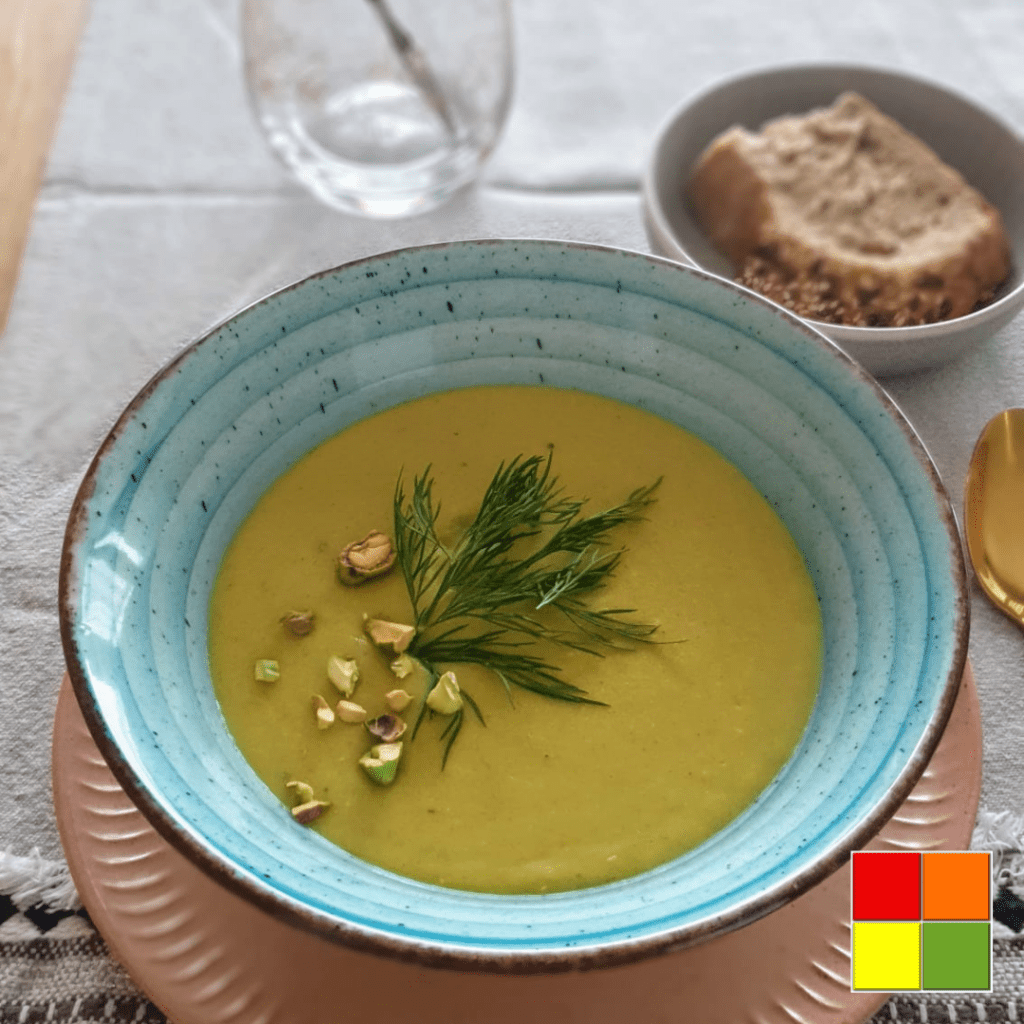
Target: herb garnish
(518, 575)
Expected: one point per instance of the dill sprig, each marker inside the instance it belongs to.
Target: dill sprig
(520, 574)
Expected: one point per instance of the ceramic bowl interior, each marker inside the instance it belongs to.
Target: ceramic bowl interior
(986, 152)
(195, 450)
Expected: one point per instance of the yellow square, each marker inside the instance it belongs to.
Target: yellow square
(886, 956)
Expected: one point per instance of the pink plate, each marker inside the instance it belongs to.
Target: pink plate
(204, 956)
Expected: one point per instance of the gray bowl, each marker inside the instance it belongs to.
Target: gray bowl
(984, 150)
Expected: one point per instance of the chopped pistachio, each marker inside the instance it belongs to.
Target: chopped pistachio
(303, 791)
(344, 673)
(381, 762)
(398, 700)
(324, 714)
(366, 559)
(384, 633)
(299, 623)
(445, 698)
(267, 671)
(309, 811)
(386, 727)
(348, 711)
(404, 665)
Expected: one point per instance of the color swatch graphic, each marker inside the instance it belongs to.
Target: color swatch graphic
(921, 922)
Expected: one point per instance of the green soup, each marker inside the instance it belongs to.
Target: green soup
(546, 796)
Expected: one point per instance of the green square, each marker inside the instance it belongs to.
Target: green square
(956, 956)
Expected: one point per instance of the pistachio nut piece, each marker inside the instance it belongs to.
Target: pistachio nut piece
(349, 711)
(381, 762)
(267, 671)
(299, 623)
(404, 665)
(445, 698)
(309, 811)
(303, 791)
(394, 634)
(344, 673)
(366, 559)
(323, 711)
(398, 700)
(386, 727)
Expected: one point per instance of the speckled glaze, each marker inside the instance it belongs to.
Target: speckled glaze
(195, 450)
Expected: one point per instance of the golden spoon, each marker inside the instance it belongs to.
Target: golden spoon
(994, 512)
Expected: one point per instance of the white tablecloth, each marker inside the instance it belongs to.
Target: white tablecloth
(162, 213)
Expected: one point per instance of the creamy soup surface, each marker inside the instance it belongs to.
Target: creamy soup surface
(547, 796)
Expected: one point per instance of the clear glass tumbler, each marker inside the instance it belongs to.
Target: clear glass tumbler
(380, 107)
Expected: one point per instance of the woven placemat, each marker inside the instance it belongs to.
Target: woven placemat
(55, 968)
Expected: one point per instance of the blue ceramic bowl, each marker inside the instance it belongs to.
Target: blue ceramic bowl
(196, 449)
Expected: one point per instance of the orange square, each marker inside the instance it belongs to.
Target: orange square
(956, 886)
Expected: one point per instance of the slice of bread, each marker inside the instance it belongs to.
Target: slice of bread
(844, 216)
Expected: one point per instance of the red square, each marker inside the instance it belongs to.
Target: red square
(886, 886)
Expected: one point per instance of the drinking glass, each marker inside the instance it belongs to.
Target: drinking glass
(380, 107)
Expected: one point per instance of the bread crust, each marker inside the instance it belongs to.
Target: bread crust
(844, 216)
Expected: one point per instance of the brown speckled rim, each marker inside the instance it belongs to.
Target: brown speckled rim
(462, 957)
